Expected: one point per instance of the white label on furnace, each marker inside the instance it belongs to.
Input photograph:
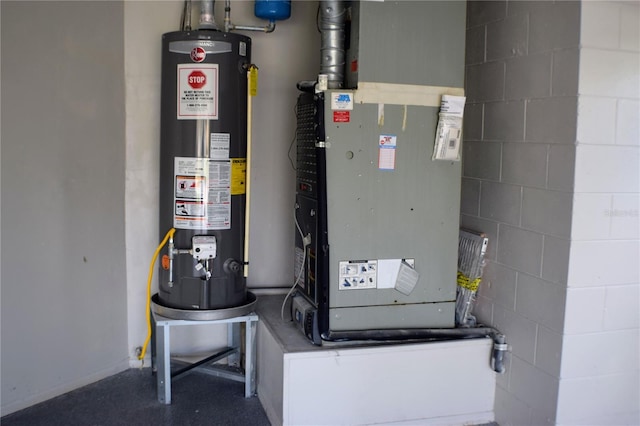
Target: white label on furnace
(341, 101)
(219, 146)
(358, 274)
(387, 152)
(197, 91)
(388, 271)
(202, 193)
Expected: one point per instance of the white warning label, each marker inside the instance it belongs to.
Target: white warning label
(219, 146)
(197, 91)
(202, 195)
(358, 274)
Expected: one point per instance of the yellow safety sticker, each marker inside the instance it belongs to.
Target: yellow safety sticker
(238, 176)
(466, 282)
(253, 80)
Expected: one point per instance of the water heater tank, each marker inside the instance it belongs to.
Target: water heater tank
(203, 149)
(273, 10)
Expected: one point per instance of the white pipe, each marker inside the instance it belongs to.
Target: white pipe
(248, 175)
(229, 26)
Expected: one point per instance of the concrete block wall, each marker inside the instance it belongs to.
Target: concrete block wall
(600, 373)
(550, 173)
(519, 150)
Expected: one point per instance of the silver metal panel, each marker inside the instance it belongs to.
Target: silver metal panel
(431, 315)
(205, 315)
(408, 212)
(408, 42)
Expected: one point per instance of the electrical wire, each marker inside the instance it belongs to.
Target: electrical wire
(304, 261)
(148, 306)
(317, 18)
(295, 136)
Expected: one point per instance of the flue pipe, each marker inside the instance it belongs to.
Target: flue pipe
(333, 16)
(207, 20)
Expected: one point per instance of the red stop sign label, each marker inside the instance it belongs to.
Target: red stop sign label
(197, 79)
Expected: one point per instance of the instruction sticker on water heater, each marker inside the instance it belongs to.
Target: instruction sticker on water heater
(202, 194)
(197, 91)
(219, 146)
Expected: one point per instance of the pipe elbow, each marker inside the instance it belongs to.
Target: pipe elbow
(270, 27)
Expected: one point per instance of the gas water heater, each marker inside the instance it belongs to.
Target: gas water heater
(204, 158)
(203, 149)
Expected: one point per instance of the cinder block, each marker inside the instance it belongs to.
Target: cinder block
(500, 202)
(555, 259)
(485, 82)
(528, 77)
(628, 122)
(603, 359)
(507, 38)
(542, 418)
(480, 12)
(482, 160)
(520, 7)
(546, 211)
(603, 263)
(472, 123)
(561, 167)
(470, 196)
(499, 285)
(564, 75)
(629, 28)
(537, 388)
(504, 121)
(609, 73)
(584, 310)
(548, 351)
(511, 410)
(520, 331)
(475, 45)
(552, 120)
(607, 169)
(483, 310)
(520, 249)
(582, 400)
(541, 301)
(524, 164)
(554, 26)
(595, 118)
(600, 26)
(625, 217)
(622, 307)
(591, 216)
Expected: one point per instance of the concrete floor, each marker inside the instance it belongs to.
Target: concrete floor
(129, 398)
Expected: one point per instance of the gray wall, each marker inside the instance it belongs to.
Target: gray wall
(551, 174)
(64, 318)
